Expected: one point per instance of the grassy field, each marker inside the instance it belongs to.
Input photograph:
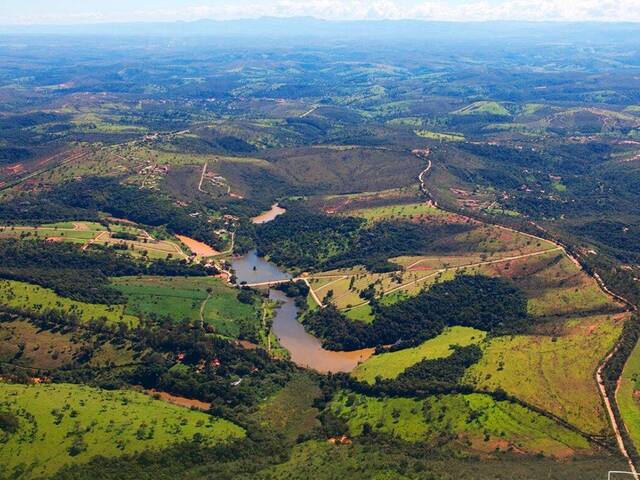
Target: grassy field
(95, 233)
(64, 424)
(476, 422)
(48, 349)
(193, 298)
(397, 212)
(33, 297)
(390, 365)
(441, 137)
(309, 460)
(483, 107)
(554, 370)
(627, 396)
(291, 412)
(483, 250)
(76, 232)
(552, 282)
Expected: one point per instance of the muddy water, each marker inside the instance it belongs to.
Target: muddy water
(306, 350)
(269, 214)
(251, 268)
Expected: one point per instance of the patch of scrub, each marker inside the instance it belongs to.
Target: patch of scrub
(390, 365)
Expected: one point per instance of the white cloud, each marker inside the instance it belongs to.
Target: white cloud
(465, 10)
(454, 10)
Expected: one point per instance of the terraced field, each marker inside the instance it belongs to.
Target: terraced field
(68, 424)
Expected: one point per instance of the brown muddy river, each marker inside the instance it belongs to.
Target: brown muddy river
(305, 349)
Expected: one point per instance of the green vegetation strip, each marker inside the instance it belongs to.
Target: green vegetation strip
(390, 365)
(485, 424)
(628, 396)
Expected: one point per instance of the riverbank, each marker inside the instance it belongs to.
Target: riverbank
(305, 350)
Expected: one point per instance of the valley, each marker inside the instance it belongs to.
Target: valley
(250, 258)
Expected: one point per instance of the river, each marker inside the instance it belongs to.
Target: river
(305, 349)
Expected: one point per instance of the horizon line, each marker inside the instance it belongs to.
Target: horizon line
(320, 19)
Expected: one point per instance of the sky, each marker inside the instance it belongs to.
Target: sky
(102, 11)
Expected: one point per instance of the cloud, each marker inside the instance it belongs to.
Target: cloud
(451, 10)
(465, 10)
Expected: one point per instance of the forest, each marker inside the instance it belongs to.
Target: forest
(490, 304)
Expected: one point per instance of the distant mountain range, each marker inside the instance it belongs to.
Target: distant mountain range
(309, 27)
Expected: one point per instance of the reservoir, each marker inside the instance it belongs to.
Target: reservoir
(305, 349)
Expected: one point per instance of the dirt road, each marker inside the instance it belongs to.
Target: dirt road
(204, 172)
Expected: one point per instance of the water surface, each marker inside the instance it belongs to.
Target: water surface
(251, 268)
(305, 349)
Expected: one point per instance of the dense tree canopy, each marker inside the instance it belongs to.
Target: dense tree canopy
(485, 303)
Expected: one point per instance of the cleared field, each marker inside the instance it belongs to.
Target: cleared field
(421, 272)
(477, 422)
(26, 296)
(42, 349)
(628, 396)
(397, 212)
(76, 232)
(67, 424)
(441, 137)
(136, 240)
(291, 410)
(483, 107)
(553, 284)
(199, 248)
(194, 298)
(554, 370)
(390, 365)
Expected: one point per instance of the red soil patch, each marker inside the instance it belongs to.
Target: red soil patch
(14, 169)
(247, 345)
(420, 268)
(181, 401)
(199, 248)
